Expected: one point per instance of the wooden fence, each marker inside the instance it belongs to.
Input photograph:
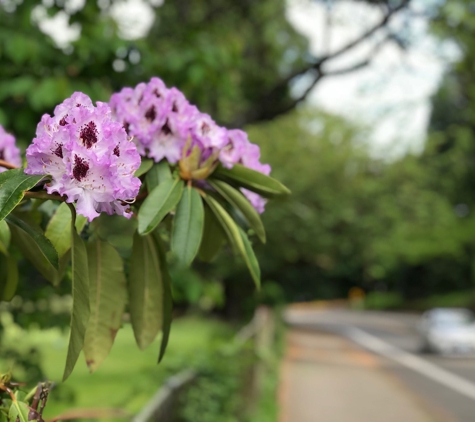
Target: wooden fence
(163, 405)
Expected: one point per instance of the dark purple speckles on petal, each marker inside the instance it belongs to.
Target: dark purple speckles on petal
(89, 134)
(166, 128)
(59, 151)
(205, 128)
(2, 154)
(63, 121)
(80, 169)
(117, 151)
(151, 114)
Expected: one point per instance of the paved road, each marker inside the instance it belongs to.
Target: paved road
(445, 385)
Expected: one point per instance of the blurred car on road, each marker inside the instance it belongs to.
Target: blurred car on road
(448, 331)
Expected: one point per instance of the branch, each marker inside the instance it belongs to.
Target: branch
(367, 34)
(349, 69)
(44, 195)
(300, 98)
(362, 63)
(265, 111)
(7, 165)
(349, 46)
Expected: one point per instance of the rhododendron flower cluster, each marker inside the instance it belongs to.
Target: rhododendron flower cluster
(164, 125)
(89, 156)
(8, 150)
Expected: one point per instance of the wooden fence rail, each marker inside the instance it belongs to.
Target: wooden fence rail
(163, 405)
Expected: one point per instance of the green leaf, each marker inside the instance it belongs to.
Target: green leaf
(107, 292)
(13, 190)
(187, 227)
(167, 296)
(8, 277)
(213, 237)
(57, 276)
(150, 300)
(80, 312)
(5, 175)
(239, 201)
(115, 230)
(18, 411)
(158, 204)
(251, 179)
(5, 236)
(145, 166)
(235, 237)
(58, 230)
(250, 259)
(158, 174)
(34, 246)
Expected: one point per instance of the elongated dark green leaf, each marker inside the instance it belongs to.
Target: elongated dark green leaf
(250, 259)
(167, 296)
(13, 190)
(8, 277)
(4, 237)
(145, 166)
(233, 233)
(158, 174)
(158, 204)
(58, 230)
(107, 292)
(213, 237)
(147, 289)
(5, 175)
(80, 312)
(34, 245)
(187, 227)
(239, 201)
(251, 179)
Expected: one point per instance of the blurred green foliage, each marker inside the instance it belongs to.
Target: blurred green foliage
(352, 220)
(222, 54)
(194, 340)
(403, 226)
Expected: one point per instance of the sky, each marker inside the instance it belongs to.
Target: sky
(391, 96)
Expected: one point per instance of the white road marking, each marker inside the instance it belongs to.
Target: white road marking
(435, 373)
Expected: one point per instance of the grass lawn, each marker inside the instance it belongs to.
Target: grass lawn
(129, 377)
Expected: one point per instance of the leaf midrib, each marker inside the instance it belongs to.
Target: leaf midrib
(13, 191)
(98, 287)
(152, 222)
(155, 264)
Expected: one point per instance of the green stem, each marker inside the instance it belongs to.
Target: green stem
(73, 212)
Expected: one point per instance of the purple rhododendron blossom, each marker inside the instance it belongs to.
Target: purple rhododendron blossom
(161, 120)
(8, 150)
(89, 156)
(165, 125)
(257, 201)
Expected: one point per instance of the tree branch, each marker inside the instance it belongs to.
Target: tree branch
(7, 165)
(349, 69)
(44, 195)
(264, 108)
(362, 63)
